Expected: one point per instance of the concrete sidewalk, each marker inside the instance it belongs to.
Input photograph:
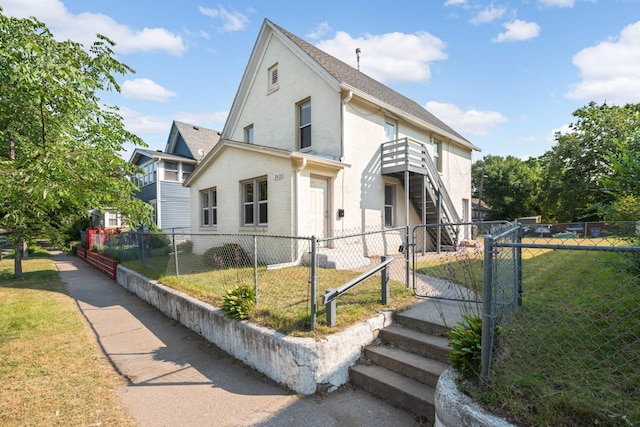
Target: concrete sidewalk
(176, 378)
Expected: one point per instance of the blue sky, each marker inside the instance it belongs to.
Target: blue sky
(505, 74)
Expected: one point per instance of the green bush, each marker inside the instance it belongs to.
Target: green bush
(185, 247)
(239, 302)
(156, 240)
(466, 344)
(229, 255)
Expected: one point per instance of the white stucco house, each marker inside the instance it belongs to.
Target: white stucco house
(314, 147)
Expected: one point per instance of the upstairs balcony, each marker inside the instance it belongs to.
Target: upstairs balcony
(406, 155)
(409, 161)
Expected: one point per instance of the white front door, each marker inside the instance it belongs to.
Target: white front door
(319, 212)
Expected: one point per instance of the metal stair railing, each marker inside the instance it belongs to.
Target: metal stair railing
(329, 298)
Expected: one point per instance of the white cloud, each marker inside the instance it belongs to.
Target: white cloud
(517, 31)
(471, 122)
(145, 89)
(391, 56)
(322, 29)
(83, 27)
(454, 2)
(557, 3)
(610, 70)
(488, 14)
(231, 20)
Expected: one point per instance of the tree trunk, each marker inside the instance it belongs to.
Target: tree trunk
(25, 251)
(17, 264)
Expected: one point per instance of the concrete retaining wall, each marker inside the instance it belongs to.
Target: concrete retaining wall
(303, 364)
(454, 408)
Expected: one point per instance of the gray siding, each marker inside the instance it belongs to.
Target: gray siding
(148, 192)
(175, 206)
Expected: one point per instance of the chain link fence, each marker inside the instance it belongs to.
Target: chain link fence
(288, 274)
(561, 317)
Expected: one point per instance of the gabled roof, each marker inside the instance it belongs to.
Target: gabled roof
(199, 140)
(264, 150)
(157, 154)
(353, 79)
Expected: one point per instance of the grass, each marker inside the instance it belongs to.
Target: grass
(571, 355)
(577, 341)
(50, 370)
(284, 295)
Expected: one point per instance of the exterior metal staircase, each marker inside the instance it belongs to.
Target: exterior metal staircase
(409, 161)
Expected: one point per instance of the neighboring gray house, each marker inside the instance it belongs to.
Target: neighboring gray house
(163, 173)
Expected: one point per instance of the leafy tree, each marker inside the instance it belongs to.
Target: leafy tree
(510, 186)
(593, 164)
(58, 146)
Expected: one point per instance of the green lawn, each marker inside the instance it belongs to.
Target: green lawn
(284, 294)
(571, 355)
(51, 372)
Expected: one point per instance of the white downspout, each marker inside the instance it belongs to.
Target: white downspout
(343, 110)
(297, 196)
(344, 107)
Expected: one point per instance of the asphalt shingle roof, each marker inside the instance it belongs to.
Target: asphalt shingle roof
(198, 138)
(350, 76)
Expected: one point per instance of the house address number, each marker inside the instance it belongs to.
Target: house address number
(278, 176)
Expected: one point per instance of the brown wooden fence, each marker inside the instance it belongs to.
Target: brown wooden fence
(102, 263)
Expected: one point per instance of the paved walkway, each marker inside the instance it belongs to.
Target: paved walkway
(176, 378)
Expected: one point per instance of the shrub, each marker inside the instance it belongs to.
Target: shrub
(466, 344)
(185, 247)
(157, 240)
(229, 255)
(239, 302)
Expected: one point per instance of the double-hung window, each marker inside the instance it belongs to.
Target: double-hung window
(254, 203)
(437, 154)
(389, 205)
(170, 171)
(304, 125)
(209, 206)
(248, 134)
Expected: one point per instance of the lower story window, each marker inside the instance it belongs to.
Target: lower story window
(209, 205)
(389, 205)
(254, 202)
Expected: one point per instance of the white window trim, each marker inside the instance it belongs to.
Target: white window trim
(299, 106)
(249, 134)
(211, 208)
(255, 203)
(272, 85)
(393, 205)
(437, 153)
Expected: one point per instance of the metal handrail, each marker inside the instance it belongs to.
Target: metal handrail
(331, 293)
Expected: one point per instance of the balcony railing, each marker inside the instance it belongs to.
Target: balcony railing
(404, 155)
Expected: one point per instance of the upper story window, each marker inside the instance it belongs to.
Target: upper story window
(148, 175)
(170, 171)
(272, 76)
(248, 134)
(209, 207)
(304, 125)
(186, 171)
(254, 202)
(390, 130)
(437, 154)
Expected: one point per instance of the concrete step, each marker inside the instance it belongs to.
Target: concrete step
(421, 325)
(395, 388)
(421, 369)
(416, 342)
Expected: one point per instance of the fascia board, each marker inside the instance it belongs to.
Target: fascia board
(410, 118)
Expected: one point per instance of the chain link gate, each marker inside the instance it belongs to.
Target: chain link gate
(447, 259)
